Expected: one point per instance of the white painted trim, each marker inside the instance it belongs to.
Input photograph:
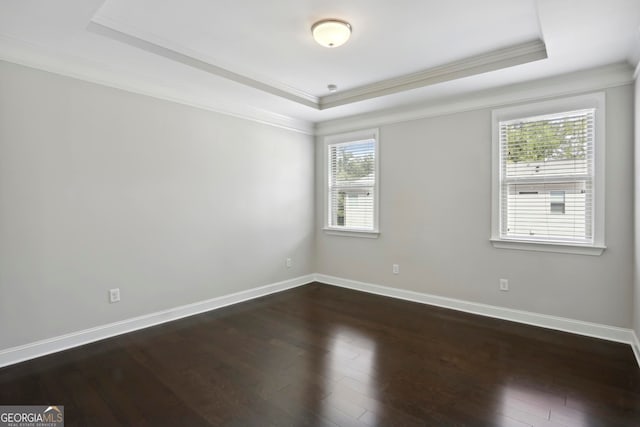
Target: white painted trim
(20, 52)
(121, 31)
(558, 105)
(358, 135)
(172, 54)
(579, 82)
(40, 348)
(489, 61)
(33, 56)
(351, 233)
(563, 248)
(21, 353)
(635, 346)
(610, 333)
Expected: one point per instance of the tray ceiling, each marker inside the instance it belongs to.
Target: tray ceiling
(258, 58)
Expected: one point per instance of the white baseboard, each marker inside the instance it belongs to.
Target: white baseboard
(579, 327)
(21, 353)
(635, 346)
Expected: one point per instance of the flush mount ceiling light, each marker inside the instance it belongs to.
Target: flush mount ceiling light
(331, 32)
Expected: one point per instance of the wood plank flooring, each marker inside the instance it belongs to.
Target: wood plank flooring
(319, 355)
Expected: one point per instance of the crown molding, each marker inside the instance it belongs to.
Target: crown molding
(31, 55)
(35, 56)
(108, 28)
(490, 61)
(612, 75)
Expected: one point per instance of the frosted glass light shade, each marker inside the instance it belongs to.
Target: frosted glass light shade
(331, 32)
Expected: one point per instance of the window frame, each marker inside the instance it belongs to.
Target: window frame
(554, 106)
(342, 138)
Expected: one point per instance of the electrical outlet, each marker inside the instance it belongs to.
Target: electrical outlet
(504, 285)
(396, 269)
(288, 262)
(114, 295)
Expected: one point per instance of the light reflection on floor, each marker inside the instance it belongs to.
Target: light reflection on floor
(535, 407)
(352, 382)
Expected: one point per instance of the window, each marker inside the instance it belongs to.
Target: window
(548, 176)
(352, 183)
(557, 202)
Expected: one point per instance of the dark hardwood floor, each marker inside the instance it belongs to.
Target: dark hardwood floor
(320, 355)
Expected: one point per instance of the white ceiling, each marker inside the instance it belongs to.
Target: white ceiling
(257, 58)
(271, 40)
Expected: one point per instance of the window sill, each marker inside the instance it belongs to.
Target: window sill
(566, 248)
(351, 233)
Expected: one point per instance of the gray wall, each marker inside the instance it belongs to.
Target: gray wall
(101, 188)
(435, 221)
(636, 296)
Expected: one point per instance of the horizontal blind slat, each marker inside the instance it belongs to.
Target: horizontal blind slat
(352, 183)
(547, 170)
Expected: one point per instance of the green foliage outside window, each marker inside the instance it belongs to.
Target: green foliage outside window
(350, 168)
(545, 140)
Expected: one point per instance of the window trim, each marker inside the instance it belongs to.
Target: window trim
(352, 137)
(592, 100)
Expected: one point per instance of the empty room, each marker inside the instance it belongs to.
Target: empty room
(319, 213)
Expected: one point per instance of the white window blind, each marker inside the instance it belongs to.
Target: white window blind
(547, 178)
(352, 185)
